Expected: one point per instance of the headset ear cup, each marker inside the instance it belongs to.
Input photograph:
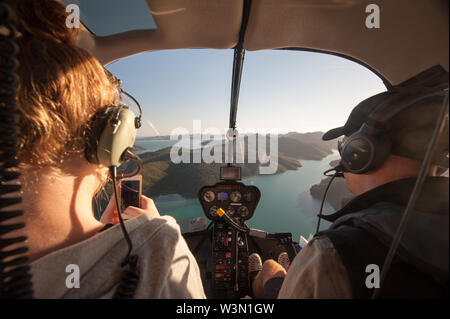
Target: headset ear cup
(93, 132)
(108, 135)
(357, 153)
(117, 136)
(365, 150)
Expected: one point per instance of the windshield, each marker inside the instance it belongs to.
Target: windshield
(298, 95)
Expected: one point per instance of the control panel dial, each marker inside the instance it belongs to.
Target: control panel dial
(235, 197)
(209, 196)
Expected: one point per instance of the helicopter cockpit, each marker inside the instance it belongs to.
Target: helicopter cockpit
(396, 43)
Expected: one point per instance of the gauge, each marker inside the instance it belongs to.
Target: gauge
(213, 211)
(209, 196)
(249, 196)
(235, 196)
(243, 211)
(231, 211)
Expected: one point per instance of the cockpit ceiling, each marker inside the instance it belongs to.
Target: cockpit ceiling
(413, 35)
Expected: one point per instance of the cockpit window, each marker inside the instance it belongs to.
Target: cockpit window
(299, 94)
(106, 17)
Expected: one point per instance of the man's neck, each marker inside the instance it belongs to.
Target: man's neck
(376, 181)
(395, 168)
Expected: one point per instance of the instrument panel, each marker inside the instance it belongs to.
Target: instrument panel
(222, 250)
(236, 199)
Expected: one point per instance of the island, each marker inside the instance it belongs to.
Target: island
(163, 177)
(338, 194)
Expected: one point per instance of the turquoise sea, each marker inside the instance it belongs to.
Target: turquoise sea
(285, 205)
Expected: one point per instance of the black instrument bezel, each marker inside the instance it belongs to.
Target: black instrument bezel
(229, 187)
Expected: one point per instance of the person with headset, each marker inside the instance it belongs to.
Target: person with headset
(385, 141)
(74, 131)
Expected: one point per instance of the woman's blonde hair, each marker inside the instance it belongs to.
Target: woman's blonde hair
(61, 86)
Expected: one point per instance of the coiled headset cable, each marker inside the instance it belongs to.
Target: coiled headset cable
(15, 276)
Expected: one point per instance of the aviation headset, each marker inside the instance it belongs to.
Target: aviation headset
(369, 147)
(112, 131)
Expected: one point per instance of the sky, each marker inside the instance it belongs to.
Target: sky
(285, 90)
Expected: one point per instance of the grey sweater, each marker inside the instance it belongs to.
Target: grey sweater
(167, 267)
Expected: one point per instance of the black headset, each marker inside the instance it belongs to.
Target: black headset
(369, 147)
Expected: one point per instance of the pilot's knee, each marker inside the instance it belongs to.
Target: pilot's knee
(269, 263)
(271, 266)
(272, 269)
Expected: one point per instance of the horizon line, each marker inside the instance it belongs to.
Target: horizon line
(191, 134)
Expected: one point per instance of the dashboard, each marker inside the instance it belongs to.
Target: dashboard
(239, 201)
